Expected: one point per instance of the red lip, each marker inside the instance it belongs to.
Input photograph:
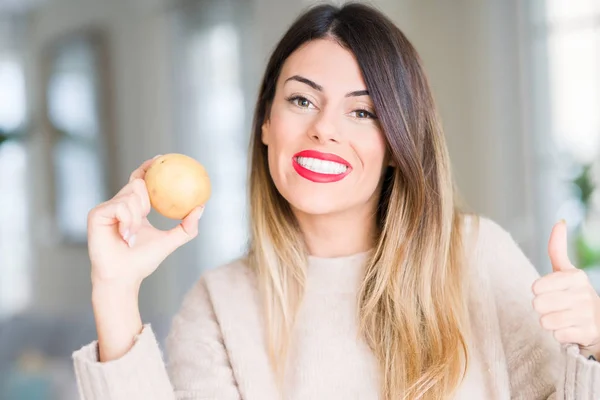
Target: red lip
(316, 176)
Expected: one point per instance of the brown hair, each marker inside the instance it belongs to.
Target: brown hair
(412, 307)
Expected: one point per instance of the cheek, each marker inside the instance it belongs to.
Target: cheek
(286, 126)
(285, 132)
(372, 153)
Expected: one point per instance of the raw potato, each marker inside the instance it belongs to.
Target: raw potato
(176, 185)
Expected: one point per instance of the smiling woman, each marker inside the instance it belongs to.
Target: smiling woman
(363, 278)
(320, 103)
(321, 111)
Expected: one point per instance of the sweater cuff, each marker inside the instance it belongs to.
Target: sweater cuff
(582, 376)
(139, 374)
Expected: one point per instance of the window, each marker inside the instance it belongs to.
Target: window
(212, 117)
(15, 290)
(565, 76)
(74, 111)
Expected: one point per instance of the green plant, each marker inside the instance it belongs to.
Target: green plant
(12, 134)
(3, 136)
(588, 255)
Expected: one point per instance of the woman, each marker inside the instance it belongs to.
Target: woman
(363, 280)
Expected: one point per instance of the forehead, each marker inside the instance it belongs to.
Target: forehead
(326, 63)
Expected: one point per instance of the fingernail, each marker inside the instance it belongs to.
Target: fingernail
(131, 241)
(156, 156)
(563, 221)
(126, 235)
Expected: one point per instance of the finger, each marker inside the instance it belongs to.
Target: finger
(574, 334)
(140, 172)
(135, 208)
(562, 280)
(138, 187)
(560, 320)
(557, 248)
(124, 191)
(547, 303)
(185, 231)
(190, 222)
(111, 213)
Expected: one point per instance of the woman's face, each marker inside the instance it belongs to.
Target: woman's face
(327, 153)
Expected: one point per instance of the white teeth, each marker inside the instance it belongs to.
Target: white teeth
(322, 166)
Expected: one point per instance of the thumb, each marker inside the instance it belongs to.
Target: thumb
(185, 231)
(557, 248)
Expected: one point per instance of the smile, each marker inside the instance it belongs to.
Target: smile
(320, 167)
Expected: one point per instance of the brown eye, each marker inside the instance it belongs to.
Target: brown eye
(363, 114)
(303, 102)
(300, 101)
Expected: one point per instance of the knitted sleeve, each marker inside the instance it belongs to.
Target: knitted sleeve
(539, 367)
(198, 367)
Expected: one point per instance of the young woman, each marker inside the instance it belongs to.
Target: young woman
(363, 279)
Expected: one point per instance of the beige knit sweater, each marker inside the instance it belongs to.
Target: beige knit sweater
(217, 350)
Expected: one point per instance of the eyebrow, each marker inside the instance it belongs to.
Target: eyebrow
(319, 88)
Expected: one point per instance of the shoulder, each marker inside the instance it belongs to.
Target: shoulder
(234, 273)
(492, 252)
(480, 230)
(485, 239)
(198, 360)
(221, 281)
(215, 287)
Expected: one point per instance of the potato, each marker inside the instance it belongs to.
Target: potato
(176, 185)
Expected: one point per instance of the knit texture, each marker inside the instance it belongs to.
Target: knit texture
(217, 347)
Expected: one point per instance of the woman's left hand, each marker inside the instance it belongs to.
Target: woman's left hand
(568, 304)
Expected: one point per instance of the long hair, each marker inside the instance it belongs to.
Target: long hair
(412, 302)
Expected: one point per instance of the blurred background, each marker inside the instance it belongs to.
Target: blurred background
(90, 89)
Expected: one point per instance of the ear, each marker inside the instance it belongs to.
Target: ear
(265, 130)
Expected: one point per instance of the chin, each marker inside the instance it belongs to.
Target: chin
(312, 207)
(312, 198)
(315, 202)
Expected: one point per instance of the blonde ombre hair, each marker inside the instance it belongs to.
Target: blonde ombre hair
(412, 303)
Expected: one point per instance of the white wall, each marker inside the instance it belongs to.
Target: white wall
(471, 52)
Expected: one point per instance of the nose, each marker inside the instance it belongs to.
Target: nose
(324, 129)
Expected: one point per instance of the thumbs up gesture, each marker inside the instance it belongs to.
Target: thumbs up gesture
(568, 304)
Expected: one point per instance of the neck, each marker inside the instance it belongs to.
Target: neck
(338, 234)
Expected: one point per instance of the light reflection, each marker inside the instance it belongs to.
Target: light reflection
(12, 94)
(15, 285)
(71, 90)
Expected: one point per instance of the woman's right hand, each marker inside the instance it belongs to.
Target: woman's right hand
(124, 247)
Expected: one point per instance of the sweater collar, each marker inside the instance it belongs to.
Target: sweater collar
(336, 274)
